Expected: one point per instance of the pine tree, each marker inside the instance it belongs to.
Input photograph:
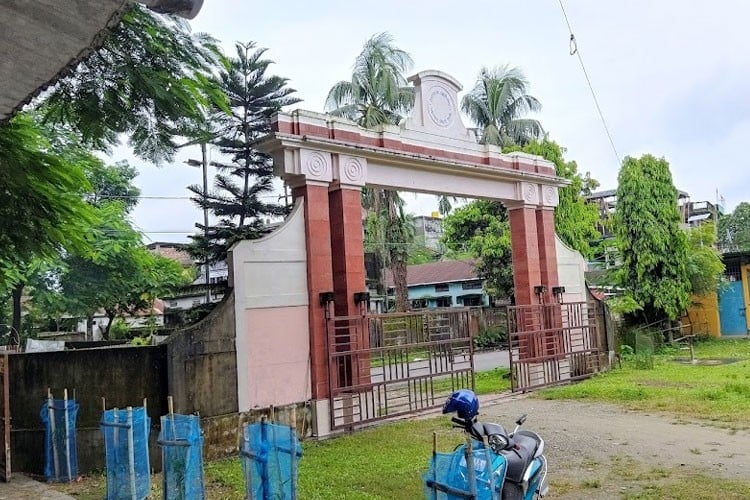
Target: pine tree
(239, 199)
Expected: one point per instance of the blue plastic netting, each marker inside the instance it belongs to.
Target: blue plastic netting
(270, 455)
(449, 469)
(182, 456)
(126, 447)
(60, 455)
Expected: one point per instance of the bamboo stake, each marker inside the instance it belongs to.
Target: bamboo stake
(51, 415)
(293, 455)
(67, 435)
(170, 404)
(434, 465)
(131, 455)
(146, 436)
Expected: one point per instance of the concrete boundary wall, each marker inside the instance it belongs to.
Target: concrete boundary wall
(202, 364)
(122, 375)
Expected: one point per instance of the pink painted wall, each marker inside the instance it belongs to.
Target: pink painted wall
(277, 359)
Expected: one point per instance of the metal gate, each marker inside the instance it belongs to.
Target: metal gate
(5, 416)
(553, 343)
(732, 310)
(385, 365)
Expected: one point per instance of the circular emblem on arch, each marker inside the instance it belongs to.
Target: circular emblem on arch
(316, 165)
(530, 193)
(550, 196)
(440, 107)
(354, 170)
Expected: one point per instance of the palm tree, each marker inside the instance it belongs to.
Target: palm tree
(378, 94)
(497, 105)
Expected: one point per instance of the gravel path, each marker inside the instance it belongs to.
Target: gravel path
(585, 442)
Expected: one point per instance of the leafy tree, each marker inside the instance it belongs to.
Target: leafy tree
(42, 210)
(704, 264)
(118, 274)
(42, 207)
(243, 181)
(575, 218)
(378, 94)
(652, 246)
(734, 229)
(482, 230)
(150, 79)
(112, 183)
(497, 105)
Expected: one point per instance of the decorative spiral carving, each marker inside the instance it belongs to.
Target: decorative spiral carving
(530, 193)
(550, 195)
(354, 171)
(316, 164)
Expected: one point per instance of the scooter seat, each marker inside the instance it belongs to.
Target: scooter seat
(518, 459)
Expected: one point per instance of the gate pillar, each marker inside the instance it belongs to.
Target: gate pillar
(545, 226)
(348, 266)
(525, 252)
(319, 278)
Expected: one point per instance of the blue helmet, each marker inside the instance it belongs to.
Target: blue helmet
(464, 402)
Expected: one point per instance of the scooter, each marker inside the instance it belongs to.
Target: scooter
(501, 466)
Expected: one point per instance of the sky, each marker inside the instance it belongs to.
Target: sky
(671, 78)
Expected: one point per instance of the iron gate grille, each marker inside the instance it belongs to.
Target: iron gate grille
(385, 365)
(552, 343)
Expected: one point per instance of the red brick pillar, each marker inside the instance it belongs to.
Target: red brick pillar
(348, 279)
(319, 279)
(545, 226)
(348, 247)
(525, 251)
(526, 275)
(552, 314)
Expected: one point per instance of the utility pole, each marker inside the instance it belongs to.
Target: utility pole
(204, 164)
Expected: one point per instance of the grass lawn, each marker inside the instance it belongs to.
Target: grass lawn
(719, 393)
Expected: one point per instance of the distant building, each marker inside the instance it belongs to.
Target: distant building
(450, 283)
(428, 230)
(195, 293)
(607, 202)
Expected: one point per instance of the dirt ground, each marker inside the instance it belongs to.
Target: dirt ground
(602, 451)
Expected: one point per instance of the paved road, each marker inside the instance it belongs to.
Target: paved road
(483, 362)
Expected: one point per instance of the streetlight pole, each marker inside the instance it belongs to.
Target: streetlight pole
(204, 165)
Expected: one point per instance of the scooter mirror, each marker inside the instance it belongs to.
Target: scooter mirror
(521, 419)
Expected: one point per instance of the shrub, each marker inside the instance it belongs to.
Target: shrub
(491, 338)
(119, 329)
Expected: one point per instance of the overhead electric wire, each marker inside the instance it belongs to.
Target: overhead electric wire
(575, 51)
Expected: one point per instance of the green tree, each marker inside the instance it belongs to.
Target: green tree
(498, 104)
(378, 94)
(481, 230)
(734, 229)
(575, 218)
(42, 210)
(118, 274)
(704, 265)
(246, 179)
(151, 79)
(42, 207)
(652, 247)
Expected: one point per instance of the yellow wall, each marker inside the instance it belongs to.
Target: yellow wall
(746, 292)
(703, 314)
